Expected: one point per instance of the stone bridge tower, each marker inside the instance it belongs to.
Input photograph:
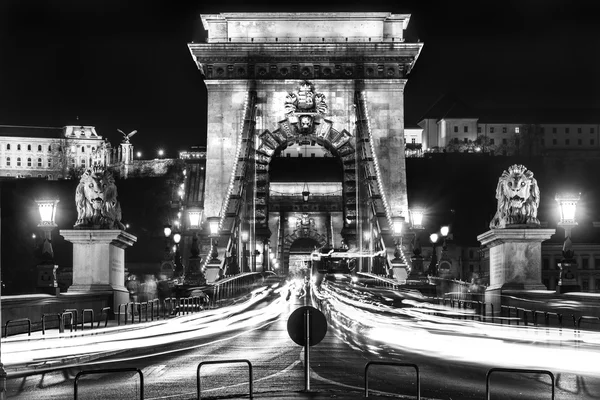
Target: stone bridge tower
(278, 79)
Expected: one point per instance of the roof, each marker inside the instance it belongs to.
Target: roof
(30, 131)
(540, 115)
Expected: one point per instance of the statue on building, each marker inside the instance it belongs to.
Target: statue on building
(518, 198)
(127, 136)
(96, 201)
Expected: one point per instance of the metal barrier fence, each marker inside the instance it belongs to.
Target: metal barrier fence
(250, 380)
(368, 364)
(515, 370)
(109, 371)
(17, 320)
(237, 285)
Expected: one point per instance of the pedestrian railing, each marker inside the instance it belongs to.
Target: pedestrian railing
(395, 364)
(109, 371)
(518, 371)
(381, 280)
(61, 328)
(250, 381)
(75, 315)
(234, 286)
(84, 312)
(62, 319)
(20, 320)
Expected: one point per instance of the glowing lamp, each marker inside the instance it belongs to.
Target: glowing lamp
(444, 230)
(305, 193)
(567, 203)
(47, 209)
(397, 223)
(195, 217)
(213, 223)
(416, 218)
(167, 230)
(177, 237)
(434, 237)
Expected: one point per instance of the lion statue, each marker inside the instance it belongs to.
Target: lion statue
(518, 197)
(96, 201)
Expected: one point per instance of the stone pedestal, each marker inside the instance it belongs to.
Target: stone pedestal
(399, 269)
(99, 261)
(194, 275)
(417, 275)
(213, 271)
(515, 257)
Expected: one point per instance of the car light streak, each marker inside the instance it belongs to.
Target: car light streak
(425, 329)
(21, 353)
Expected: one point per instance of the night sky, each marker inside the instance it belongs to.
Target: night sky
(125, 64)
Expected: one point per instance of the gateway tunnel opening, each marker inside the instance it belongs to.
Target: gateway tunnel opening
(304, 222)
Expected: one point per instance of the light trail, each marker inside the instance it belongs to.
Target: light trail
(30, 355)
(421, 328)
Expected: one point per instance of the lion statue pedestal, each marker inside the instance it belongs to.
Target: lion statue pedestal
(99, 261)
(515, 237)
(99, 240)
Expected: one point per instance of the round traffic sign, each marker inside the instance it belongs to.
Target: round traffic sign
(296, 326)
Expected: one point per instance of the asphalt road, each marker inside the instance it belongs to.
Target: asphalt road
(337, 368)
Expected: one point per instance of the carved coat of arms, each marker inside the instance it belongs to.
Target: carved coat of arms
(305, 106)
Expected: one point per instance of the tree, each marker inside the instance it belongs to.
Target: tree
(62, 157)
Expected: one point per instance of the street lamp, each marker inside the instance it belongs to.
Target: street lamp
(416, 217)
(47, 269)
(178, 267)
(213, 223)
(245, 235)
(305, 192)
(567, 281)
(433, 238)
(195, 217)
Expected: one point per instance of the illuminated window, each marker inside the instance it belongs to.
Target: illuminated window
(517, 129)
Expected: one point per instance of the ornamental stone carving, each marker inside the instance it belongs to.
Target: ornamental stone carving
(518, 198)
(305, 108)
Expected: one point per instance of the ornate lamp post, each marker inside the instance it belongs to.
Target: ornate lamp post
(245, 236)
(194, 275)
(433, 238)
(167, 266)
(178, 267)
(398, 264)
(213, 268)
(567, 281)
(46, 281)
(417, 275)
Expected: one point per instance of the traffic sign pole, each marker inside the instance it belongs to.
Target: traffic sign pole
(307, 350)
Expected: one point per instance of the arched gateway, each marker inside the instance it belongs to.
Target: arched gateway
(276, 80)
